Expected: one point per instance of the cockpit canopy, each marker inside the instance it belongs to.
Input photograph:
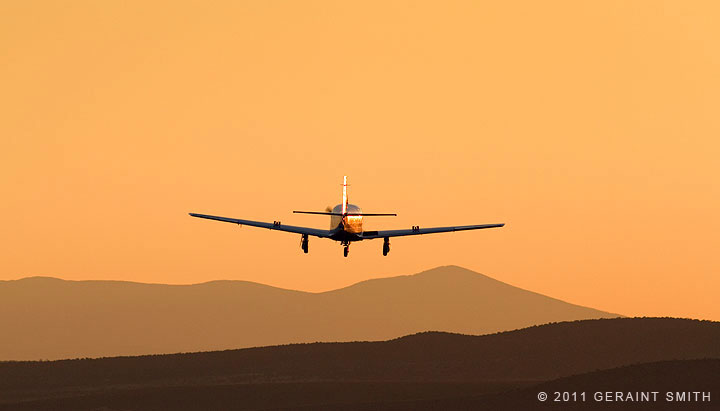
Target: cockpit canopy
(351, 208)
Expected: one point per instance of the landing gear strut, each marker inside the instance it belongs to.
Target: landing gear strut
(386, 245)
(346, 249)
(304, 243)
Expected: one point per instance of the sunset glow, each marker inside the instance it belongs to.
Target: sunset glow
(589, 128)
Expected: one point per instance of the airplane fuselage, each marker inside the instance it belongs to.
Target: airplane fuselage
(351, 223)
(347, 228)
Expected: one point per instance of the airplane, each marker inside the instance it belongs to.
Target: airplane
(346, 226)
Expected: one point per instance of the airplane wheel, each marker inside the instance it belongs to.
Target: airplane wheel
(304, 243)
(345, 251)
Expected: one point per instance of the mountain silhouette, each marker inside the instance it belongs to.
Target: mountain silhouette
(430, 370)
(48, 318)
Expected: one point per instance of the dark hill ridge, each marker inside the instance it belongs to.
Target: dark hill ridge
(417, 367)
(536, 353)
(47, 318)
(678, 376)
(664, 376)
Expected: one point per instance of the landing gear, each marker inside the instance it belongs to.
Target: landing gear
(304, 243)
(346, 249)
(386, 245)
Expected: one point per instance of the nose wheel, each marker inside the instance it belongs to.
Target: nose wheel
(346, 249)
(386, 246)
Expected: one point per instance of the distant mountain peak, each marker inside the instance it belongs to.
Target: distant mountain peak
(39, 279)
(453, 271)
(65, 319)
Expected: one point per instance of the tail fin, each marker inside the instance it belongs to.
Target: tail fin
(344, 213)
(345, 198)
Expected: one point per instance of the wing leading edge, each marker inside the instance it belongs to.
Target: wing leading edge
(271, 226)
(418, 231)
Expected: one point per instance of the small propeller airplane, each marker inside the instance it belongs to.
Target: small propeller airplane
(346, 226)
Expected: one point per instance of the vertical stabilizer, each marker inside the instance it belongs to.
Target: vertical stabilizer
(345, 199)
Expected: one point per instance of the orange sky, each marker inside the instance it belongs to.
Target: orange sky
(590, 128)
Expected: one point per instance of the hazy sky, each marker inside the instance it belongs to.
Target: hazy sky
(590, 128)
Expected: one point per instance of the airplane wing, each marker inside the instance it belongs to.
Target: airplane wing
(272, 226)
(419, 231)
